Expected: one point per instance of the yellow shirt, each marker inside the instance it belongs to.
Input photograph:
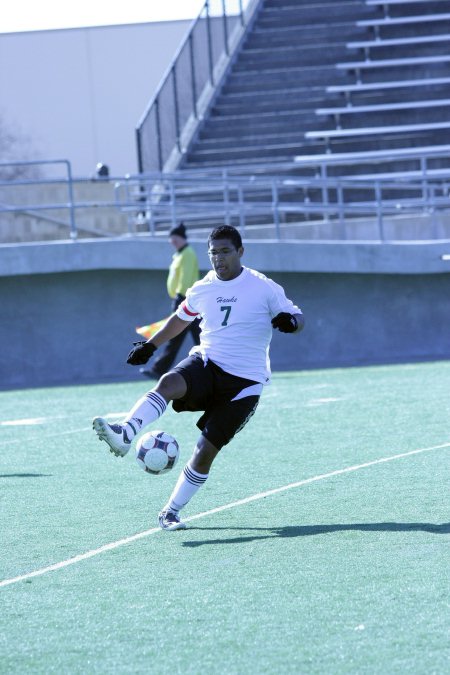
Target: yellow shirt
(183, 271)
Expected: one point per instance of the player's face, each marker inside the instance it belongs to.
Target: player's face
(225, 259)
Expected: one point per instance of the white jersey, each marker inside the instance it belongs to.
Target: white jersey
(236, 321)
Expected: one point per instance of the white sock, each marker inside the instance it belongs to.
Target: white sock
(148, 409)
(188, 483)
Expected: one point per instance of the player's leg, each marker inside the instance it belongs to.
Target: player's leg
(190, 480)
(219, 425)
(200, 392)
(147, 409)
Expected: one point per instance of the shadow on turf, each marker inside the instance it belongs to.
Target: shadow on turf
(24, 475)
(310, 530)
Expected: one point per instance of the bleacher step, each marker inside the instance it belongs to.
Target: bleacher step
(281, 76)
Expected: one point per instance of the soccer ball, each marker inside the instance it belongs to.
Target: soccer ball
(157, 452)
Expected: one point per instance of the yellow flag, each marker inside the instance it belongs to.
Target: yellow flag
(151, 329)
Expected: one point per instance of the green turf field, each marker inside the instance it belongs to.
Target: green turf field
(343, 570)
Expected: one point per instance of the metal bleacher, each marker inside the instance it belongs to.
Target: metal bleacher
(339, 111)
(268, 119)
(295, 104)
(416, 84)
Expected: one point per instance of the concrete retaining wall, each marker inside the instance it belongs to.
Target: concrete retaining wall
(69, 310)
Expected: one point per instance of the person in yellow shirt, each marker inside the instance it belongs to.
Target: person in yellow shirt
(183, 273)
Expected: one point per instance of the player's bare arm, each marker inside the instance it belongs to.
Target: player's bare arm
(142, 351)
(173, 327)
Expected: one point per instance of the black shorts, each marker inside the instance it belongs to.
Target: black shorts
(211, 389)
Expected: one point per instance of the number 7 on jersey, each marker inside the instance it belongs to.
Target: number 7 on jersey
(227, 310)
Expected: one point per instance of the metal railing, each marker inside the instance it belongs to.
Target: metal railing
(66, 180)
(309, 189)
(264, 200)
(158, 202)
(181, 99)
(54, 205)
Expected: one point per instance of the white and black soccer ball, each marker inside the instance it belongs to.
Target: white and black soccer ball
(157, 452)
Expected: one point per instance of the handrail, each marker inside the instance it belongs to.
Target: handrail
(69, 180)
(167, 198)
(153, 202)
(178, 104)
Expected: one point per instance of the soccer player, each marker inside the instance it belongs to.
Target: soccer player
(223, 376)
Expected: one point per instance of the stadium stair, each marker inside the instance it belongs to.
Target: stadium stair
(296, 64)
(317, 78)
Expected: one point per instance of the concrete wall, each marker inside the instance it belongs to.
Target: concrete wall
(68, 311)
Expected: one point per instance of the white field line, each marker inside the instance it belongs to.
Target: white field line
(32, 421)
(232, 505)
(29, 421)
(45, 436)
(44, 420)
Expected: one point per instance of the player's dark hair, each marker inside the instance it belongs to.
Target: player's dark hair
(226, 232)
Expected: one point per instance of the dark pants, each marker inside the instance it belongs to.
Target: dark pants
(170, 349)
(227, 400)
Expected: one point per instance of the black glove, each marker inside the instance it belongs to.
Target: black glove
(140, 353)
(285, 322)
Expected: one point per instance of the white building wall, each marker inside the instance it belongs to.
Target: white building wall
(78, 94)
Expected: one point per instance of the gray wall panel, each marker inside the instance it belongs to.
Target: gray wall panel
(77, 327)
